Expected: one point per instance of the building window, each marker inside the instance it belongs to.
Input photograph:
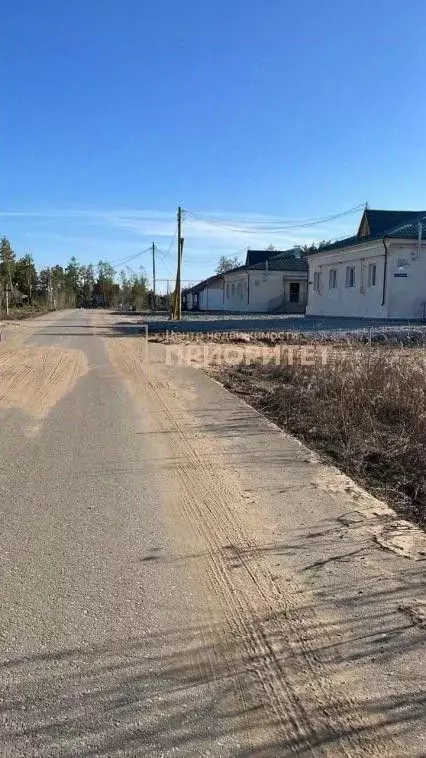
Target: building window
(294, 292)
(372, 274)
(227, 291)
(233, 289)
(332, 279)
(350, 276)
(317, 281)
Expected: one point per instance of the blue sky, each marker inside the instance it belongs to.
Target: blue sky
(117, 111)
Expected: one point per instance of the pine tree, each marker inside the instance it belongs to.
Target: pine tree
(7, 264)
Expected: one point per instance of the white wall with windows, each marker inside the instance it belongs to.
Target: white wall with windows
(265, 291)
(350, 281)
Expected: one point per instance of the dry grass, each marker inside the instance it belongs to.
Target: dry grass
(24, 312)
(364, 408)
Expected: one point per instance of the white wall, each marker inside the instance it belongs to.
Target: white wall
(211, 298)
(236, 291)
(360, 300)
(405, 296)
(262, 291)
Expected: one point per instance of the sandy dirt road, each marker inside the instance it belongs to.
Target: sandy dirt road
(179, 578)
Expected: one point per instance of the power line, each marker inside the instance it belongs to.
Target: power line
(165, 255)
(171, 244)
(128, 258)
(270, 223)
(165, 261)
(270, 226)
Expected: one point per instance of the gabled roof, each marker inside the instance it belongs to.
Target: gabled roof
(347, 242)
(410, 230)
(258, 256)
(378, 224)
(205, 283)
(286, 260)
(375, 223)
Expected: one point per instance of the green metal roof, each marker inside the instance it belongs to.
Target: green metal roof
(379, 222)
(284, 261)
(405, 228)
(258, 256)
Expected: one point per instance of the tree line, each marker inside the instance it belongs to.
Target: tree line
(70, 286)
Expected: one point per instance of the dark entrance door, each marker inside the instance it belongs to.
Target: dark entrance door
(294, 292)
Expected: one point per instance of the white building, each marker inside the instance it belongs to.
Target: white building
(208, 295)
(211, 295)
(277, 282)
(378, 273)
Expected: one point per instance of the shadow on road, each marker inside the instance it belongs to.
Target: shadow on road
(119, 329)
(177, 693)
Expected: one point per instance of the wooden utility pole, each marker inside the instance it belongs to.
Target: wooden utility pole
(153, 276)
(178, 296)
(50, 290)
(29, 262)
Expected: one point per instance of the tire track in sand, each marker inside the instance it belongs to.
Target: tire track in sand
(34, 379)
(273, 661)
